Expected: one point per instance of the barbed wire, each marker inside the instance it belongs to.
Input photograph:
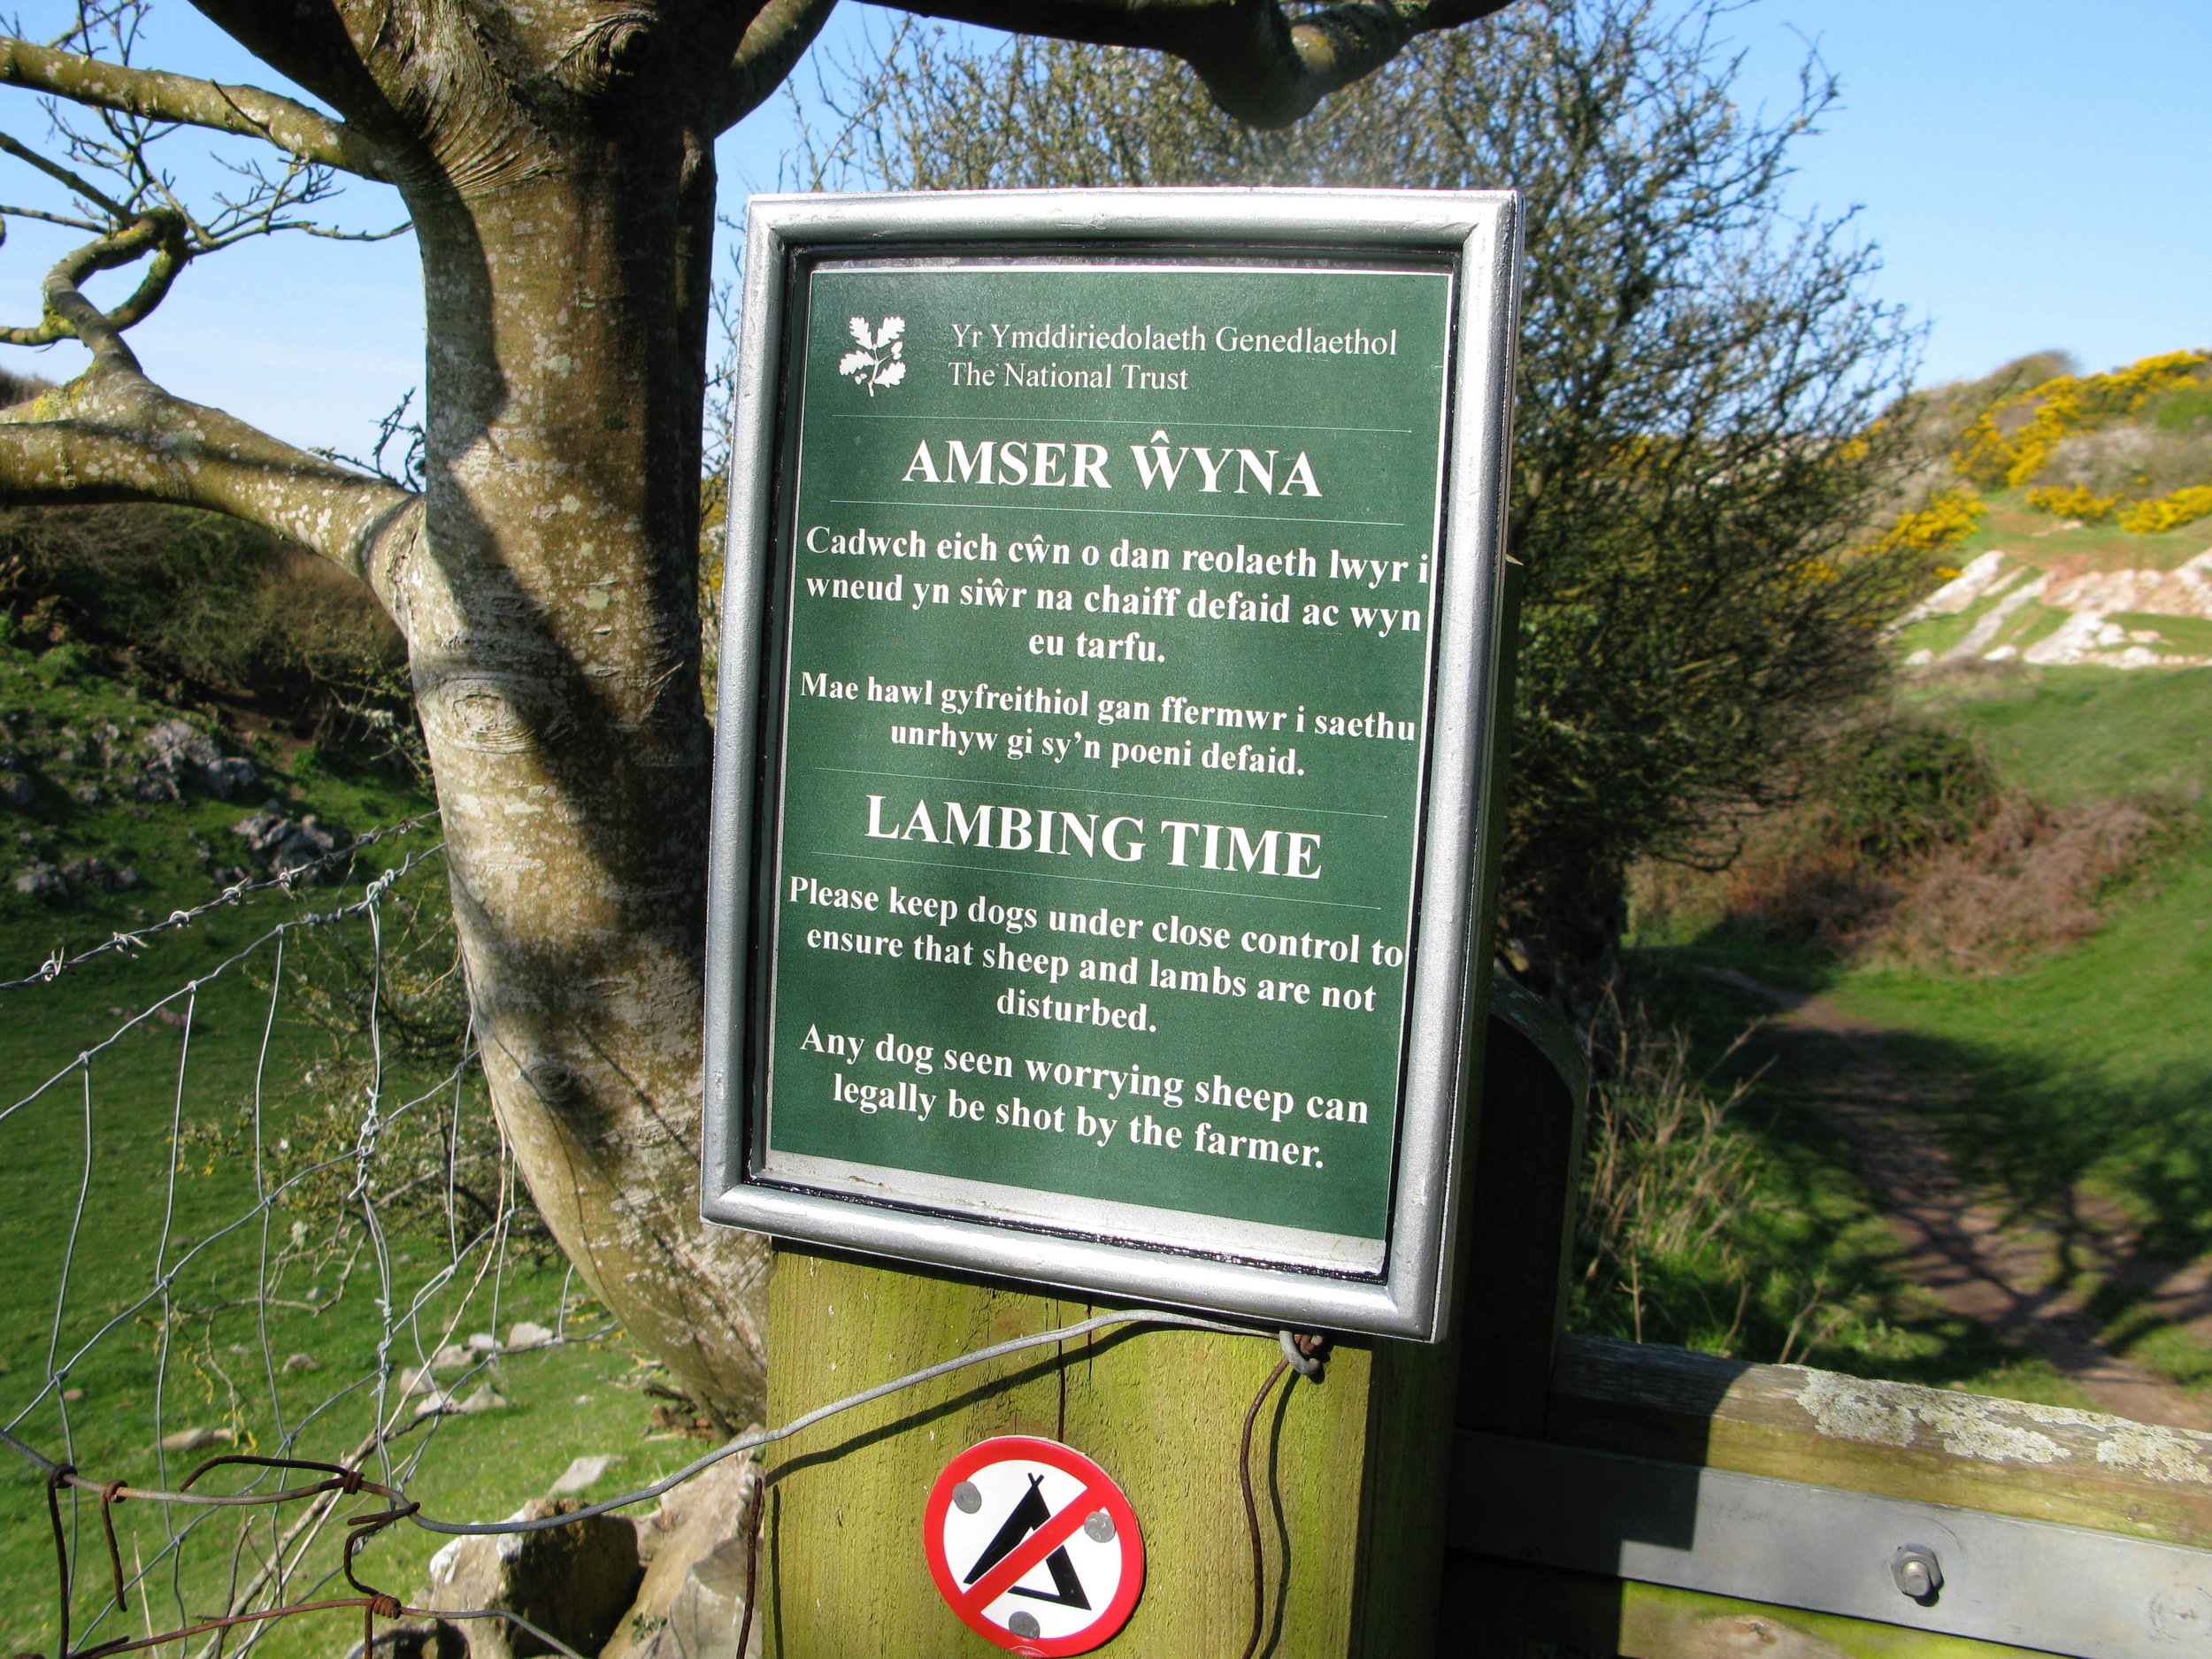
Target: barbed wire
(347, 1480)
(287, 1576)
(137, 939)
(476, 1260)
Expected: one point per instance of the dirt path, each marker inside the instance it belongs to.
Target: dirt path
(1962, 1249)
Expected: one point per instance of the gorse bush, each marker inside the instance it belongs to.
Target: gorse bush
(1895, 790)
(2129, 445)
(2073, 501)
(1948, 518)
(2013, 441)
(2169, 512)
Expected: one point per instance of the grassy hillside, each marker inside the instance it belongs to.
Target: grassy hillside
(2078, 1077)
(2097, 1063)
(2074, 512)
(110, 1228)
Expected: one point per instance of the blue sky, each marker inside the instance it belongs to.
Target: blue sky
(2033, 172)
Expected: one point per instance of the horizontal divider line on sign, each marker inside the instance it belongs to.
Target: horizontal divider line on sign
(1119, 795)
(1102, 881)
(1101, 420)
(1232, 517)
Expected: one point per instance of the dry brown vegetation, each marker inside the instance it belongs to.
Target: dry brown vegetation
(1913, 855)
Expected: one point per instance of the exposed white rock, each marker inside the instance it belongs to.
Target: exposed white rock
(581, 1473)
(1986, 626)
(2001, 585)
(2184, 592)
(1984, 576)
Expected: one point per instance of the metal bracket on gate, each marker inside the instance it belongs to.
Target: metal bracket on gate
(1926, 1566)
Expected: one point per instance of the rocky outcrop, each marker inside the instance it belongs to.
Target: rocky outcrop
(294, 849)
(181, 760)
(2010, 602)
(574, 1582)
(692, 1600)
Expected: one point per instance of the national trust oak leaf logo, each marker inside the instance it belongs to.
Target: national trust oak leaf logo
(881, 359)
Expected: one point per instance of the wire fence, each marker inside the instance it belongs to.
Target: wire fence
(201, 1216)
(215, 1212)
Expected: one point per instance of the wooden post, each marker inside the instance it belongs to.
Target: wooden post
(1349, 1474)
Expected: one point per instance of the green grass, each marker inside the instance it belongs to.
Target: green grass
(2094, 1065)
(2026, 533)
(2190, 635)
(2088, 1072)
(2070, 734)
(565, 1402)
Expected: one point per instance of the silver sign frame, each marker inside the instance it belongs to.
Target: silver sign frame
(1447, 992)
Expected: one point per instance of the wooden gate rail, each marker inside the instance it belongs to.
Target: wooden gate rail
(1661, 1477)
(1616, 1498)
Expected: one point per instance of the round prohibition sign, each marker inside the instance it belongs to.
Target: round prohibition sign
(1034, 1546)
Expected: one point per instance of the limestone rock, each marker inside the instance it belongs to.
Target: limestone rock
(291, 847)
(182, 760)
(100, 875)
(581, 1473)
(572, 1582)
(524, 1335)
(693, 1596)
(42, 881)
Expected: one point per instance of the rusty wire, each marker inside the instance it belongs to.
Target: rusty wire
(347, 1480)
(336, 1481)
(373, 1604)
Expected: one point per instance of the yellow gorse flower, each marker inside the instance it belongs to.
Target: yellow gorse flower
(2169, 512)
(2074, 501)
(1998, 459)
(1949, 517)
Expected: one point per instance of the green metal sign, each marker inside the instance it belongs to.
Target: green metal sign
(1099, 671)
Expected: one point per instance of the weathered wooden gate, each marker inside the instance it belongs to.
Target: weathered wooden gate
(1510, 1493)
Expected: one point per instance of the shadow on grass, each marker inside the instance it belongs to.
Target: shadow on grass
(2117, 1178)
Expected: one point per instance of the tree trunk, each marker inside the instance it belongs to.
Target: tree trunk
(557, 161)
(552, 624)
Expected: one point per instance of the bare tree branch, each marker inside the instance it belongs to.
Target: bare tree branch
(55, 170)
(774, 42)
(70, 315)
(1260, 67)
(112, 435)
(156, 95)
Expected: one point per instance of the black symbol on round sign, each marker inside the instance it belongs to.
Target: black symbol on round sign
(1034, 1546)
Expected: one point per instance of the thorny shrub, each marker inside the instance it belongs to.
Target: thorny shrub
(1948, 518)
(2073, 501)
(2169, 512)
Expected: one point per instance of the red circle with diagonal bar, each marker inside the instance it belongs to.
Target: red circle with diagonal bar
(1034, 1546)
